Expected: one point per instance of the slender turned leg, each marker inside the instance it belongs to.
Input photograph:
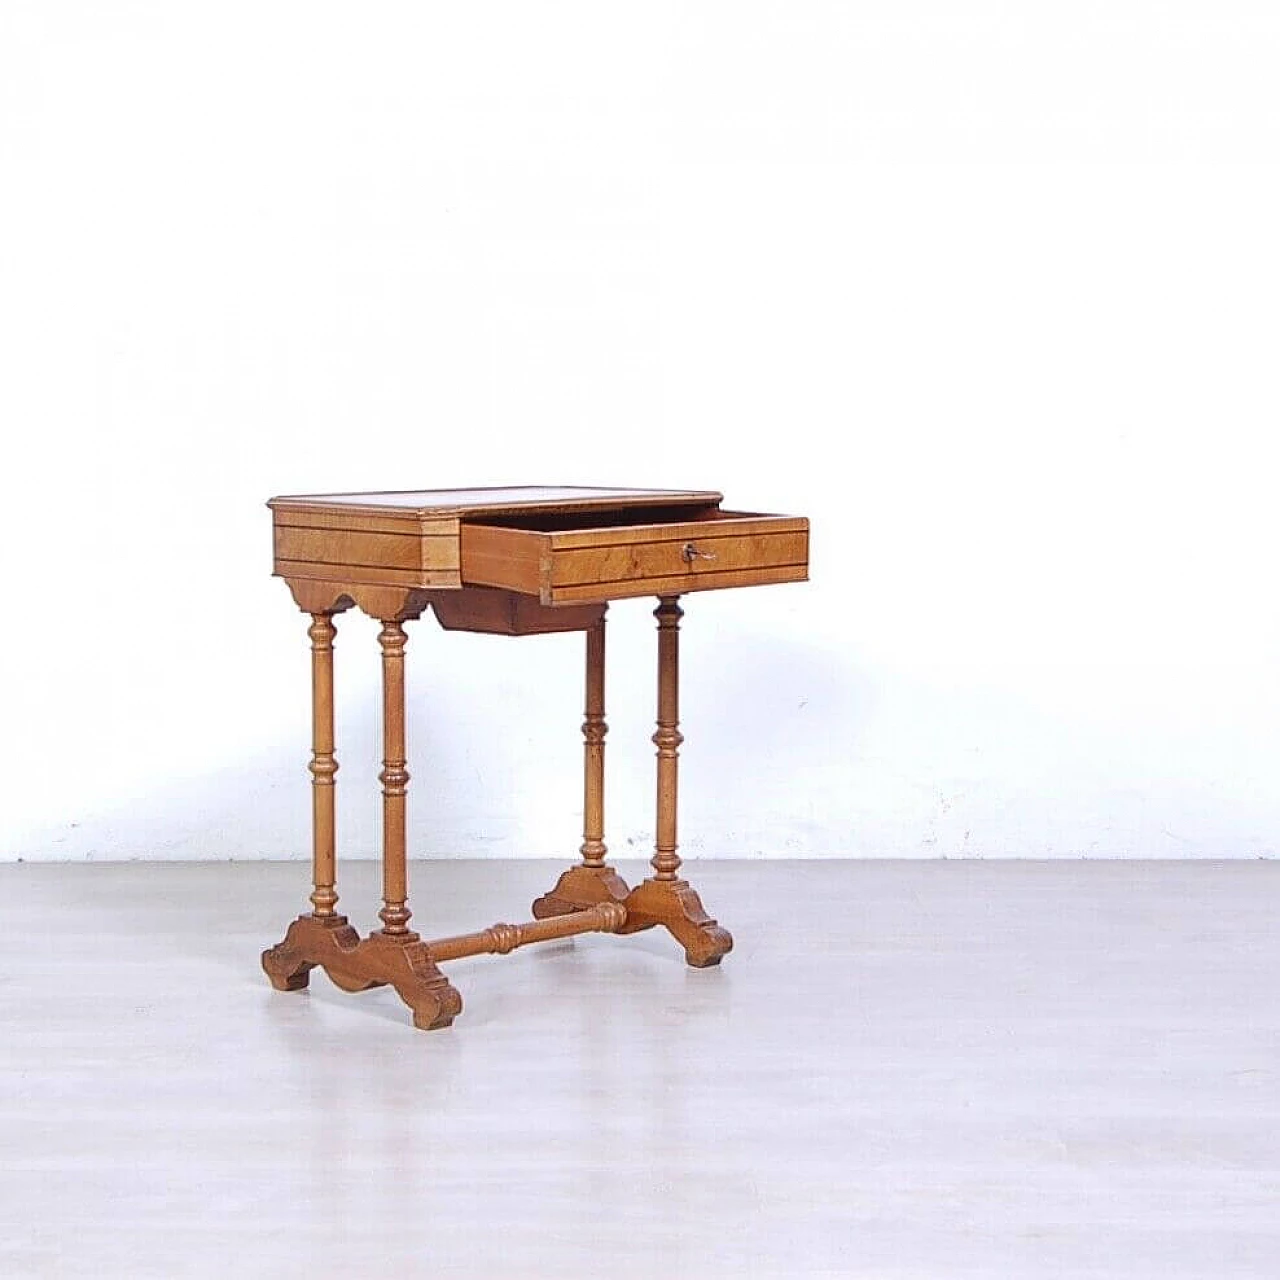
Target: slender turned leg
(667, 738)
(664, 898)
(593, 880)
(286, 964)
(395, 784)
(395, 951)
(324, 896)
(593, 732)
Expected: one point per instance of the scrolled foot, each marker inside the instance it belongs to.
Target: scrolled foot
(708, 946)
(433, 1009)
(675, 905)
(289, 963)
(285, 968)
(406, 965)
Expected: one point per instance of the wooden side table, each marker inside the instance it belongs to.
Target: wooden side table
(511, 561)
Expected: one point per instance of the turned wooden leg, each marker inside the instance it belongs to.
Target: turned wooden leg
(394, 777)
(323, 766)
(593, 880)
(594, 729)
(667, 738)
(286, 967)
(396, 952)
(664, 898)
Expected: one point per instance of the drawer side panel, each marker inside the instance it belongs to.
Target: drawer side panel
(497, 557)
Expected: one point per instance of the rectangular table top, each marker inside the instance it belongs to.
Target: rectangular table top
(501, 500)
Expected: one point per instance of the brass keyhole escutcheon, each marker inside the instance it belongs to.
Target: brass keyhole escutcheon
(691, 553)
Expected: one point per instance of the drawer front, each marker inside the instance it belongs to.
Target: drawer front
(637, 560)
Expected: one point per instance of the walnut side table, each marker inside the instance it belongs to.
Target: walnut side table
(512, 561)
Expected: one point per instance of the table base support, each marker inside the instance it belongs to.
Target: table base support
(673, 904)
(407, 963)
(402, 961)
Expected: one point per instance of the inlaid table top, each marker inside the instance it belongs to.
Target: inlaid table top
(503, 500)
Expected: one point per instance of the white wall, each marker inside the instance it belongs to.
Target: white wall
(989, 290)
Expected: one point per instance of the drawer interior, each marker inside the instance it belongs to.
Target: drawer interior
(569, 521)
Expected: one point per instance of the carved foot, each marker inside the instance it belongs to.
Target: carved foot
(403, 961)
(358, 964)
(579, 888)
(289, 963)
(675, 905)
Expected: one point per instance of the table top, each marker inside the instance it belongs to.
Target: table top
(501, 500)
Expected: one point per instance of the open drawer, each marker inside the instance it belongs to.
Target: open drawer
(560, 561)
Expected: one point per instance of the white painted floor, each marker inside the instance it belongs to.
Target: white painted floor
(927, 1070)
